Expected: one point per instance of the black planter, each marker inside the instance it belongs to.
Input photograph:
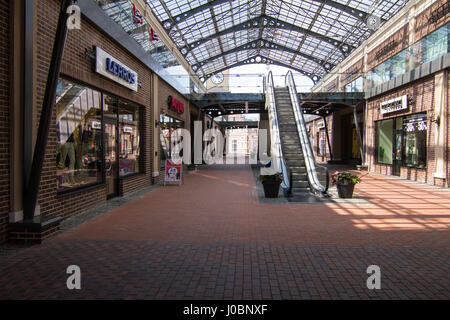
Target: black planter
(345, 191)
(271, 188)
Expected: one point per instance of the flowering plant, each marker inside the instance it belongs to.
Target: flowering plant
(345, 178)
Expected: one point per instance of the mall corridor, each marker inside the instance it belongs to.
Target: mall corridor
(212, 238)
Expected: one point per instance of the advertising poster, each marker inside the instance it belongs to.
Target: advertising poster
(173, 172)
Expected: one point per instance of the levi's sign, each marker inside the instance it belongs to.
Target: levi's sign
(113, 69)
(397, 104)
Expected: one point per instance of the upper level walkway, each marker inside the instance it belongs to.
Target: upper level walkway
(223, 103)
(213, 238)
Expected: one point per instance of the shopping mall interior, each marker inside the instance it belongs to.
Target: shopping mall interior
(225, 149)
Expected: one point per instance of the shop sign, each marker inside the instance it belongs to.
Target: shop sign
(175, 105)
(96, 125)
(113, 69)
(439, 13)
(128, 129)
(173, 172)
(415, 124)
(394, 105)
(386, 49)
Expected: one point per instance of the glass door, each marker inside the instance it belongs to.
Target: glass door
(111, 146)
(111, 159)
(398, 147)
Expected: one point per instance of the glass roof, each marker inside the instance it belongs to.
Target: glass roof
(311, 37)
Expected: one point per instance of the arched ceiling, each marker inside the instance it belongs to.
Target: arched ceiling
(311, 37)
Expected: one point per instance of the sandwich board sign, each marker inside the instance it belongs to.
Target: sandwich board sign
(173, 172)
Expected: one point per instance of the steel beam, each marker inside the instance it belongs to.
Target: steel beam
(269, 22)
(169, 24)
(356, 13)
(260, 44)
(32, 185)
(264, 60)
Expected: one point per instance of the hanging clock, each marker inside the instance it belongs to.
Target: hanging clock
(217, 78)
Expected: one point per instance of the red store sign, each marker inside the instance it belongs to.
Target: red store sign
(175, 105)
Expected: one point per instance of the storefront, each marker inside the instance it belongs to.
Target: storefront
(174, 114)
(98, 138)
(402, 133)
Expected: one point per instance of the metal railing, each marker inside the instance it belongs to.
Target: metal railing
(276, 146)
(313, 170)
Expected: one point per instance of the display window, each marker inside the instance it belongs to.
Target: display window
(384, 141)
(403, 140)
(169, 126)
(95, 131)
(79, 136)
(415, 131)
(129, 139)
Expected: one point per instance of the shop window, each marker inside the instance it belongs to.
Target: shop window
(384, 141)
(79, 136)
(169, 128)
(129, 138)
(234, 145)
(415, 130)
(433, 46)
(356, 85)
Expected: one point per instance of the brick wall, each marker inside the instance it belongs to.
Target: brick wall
(422, 92)
(4, 116)
(448, 132)
(78, 68)
(423, 26)
(388, 48)
(353, 72)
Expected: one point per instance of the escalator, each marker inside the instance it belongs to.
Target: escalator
(303, 179)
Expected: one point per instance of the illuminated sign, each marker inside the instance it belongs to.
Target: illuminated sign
(394, 105)
(175, 105)
(113, 69)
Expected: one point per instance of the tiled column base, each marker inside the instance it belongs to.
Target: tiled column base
(34, 231)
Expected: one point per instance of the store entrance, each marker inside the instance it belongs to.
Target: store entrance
(398, 147)
(111, 155)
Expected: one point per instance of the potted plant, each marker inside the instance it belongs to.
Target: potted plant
(345, 183)
(271, 184)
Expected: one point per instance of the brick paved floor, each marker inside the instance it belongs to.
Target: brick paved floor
(212, 238)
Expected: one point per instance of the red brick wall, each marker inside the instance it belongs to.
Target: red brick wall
(76, 67)
(4, 116)
(423, 25)
(423, 93)
(353, 72)
(401, 42)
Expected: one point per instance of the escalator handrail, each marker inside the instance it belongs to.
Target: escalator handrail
(276, 147)
(305, 141)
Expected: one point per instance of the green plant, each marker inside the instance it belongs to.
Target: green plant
(345, 178)
(270, 178)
